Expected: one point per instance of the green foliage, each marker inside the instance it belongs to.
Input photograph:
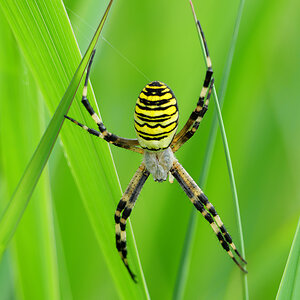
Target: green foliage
(28, 265)
(23, 192)
(71, 211)
(97, 215)
(289, 286)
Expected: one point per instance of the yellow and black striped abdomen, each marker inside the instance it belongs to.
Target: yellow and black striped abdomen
(156, 116)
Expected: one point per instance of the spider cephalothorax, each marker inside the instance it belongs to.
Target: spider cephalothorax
(159, 163)
(156, 121)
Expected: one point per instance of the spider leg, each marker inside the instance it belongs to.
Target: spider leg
(176, 145)
(202, 204)
(99, 134)
(124, 209)
(130, 144)
(200, 109)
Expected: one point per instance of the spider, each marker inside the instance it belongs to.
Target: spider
(156, 121)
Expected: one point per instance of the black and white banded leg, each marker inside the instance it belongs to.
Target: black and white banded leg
(201, 107)
(202, 204)
(124, 209)
(130, 144)
(204, 105)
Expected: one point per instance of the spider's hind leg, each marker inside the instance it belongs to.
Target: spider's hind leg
(216, 218)
(124, 209)
(202, 204)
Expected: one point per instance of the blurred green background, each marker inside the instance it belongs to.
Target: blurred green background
(156, 40)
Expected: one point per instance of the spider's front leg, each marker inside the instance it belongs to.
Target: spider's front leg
(124, 209)
(202, 204)
(130, 144)
(197, 115)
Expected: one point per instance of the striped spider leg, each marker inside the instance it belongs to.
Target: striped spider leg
(124, 209)
(197, 115)
(130, 144)
(207, 210)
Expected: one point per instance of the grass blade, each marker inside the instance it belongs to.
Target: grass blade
(289, 286)
(36, 265)
(189, 239)
(233, 188)
(52, 54)
(23, 192)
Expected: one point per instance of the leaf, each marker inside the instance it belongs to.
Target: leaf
(22, 194)
(47, 41)
(290, 282)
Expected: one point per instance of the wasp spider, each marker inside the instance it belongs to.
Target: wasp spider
(156, 121)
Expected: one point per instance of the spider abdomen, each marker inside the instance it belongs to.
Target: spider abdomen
(156, 116)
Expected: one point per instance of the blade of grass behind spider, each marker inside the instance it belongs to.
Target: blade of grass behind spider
(189, 239)
(35, 270)
(26, 185)
(52, 55)
(289, 286)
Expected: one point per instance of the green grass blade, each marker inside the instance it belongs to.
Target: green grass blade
(35, 268)
(181, 279)
(38, 218)
(226, 73)
(45, 36)
(290, 282)
(233, 189)
(26, 185)
(185, 261)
